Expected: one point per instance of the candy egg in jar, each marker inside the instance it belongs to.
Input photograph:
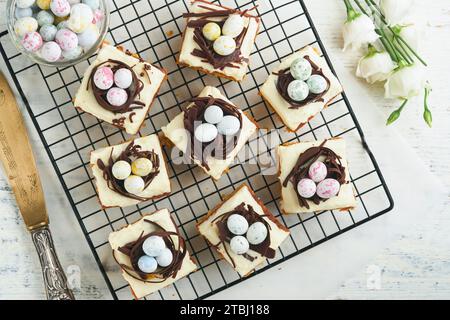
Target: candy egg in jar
(81, 17)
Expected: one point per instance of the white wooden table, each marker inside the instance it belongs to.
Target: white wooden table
(401, 255)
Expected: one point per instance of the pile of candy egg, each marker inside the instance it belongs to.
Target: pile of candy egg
(317, 183)
(156, 254)
(132, 175)
(216, 123)
(224, 43)
(305, 82)
(115, 82)
(58, 30)
(245, 235)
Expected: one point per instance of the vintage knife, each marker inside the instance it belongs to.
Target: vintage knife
(20, 167)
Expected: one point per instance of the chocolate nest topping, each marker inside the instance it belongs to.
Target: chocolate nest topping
(222, 146)
(285, 78)
(130, 153)
(251, 216)
(134, 251)
(133, 91)
(331, 160)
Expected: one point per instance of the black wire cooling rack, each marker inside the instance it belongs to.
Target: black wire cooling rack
(154, 29)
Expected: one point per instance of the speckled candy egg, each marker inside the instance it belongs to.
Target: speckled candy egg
(88, 37)
(229, 126)
(32, 41)
(60, 8)
(213, 114)
(317, 171)
(153, 246)
(298, 90)
(141, 167)
(123, 78)
(99, 15)
(44, 17)
(121, 170)
(81, 17)
(104, 78)
(63, 25)
(147, 264)
(211, 31)
(237, 224)
(165, 258)
(328, 188)
(117, 96)
(301, 69)
(73, 54)
(239, 245)
(72, 2)
(134, 184)
(66, 39)
(23, 12)
(317, 84)
(43, 4)
(233, 26)
(224, 45)
(257, 233)
(205, 132)
(24, 3)
(25, 25)
(48, 32)
(51, 51)
(306, 188)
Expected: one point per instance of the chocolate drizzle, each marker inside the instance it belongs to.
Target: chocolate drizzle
(134, 251)
(285, 78)
(331, 160)
(130, 153)
(222, 146)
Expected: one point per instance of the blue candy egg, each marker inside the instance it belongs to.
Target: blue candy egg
(48, 32)
(153, 246)
(298, 90)
(301, 69)
(94, 4)
(317, 84)
(23, 12)
(44, 17)
(147, 264)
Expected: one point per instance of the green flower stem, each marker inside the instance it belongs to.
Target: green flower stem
(361, 7)
(427, 115)
(402, 51)
(351, 12)
(396, 114)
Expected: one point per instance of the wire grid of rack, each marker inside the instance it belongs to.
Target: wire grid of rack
(154, 30)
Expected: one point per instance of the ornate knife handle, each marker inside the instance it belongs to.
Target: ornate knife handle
(54, 278)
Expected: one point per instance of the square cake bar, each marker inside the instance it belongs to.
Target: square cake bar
(146, 82)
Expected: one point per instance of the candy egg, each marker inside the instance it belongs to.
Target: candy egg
(43, 4)
(44, 17)
(237, 224)
(317, 84)
(205, 132)
(104, 78)
(153, 246)
(66, 39)
(24, 3)
(317, 171)
(117, 96)
(233, 26)
(32, 41)
(211, 31)
(23, 12)
(93, 4)
(88, 37)
(81, 17)
(224, 45)
(48, 32)
(51, 51)
(239, 245)
(229, 126)
(298, 90)
(306, 188)
(60, 8)
(301, 69)
(60, 19)
(63, 25)
(165, 258)
(328, 188)
(213, 114)
(99, 15)
(134, 184)
(147, 264)
(141, 167)
(257, 233)
(25, 25)
(72, 2)
(121, 170)
(123, 78)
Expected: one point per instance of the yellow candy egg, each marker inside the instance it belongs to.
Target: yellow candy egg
(211, 31)
(43, 4)
(141, 167)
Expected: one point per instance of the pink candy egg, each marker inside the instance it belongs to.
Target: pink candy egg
(60, 8)
(306, 188)
(104, 78)
(328, 188)
(32, 41)
(98, 16)
(51, 51)
(66, 39)
(318, 171)
(116, 96)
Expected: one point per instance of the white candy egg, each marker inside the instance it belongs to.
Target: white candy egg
(205, 132)
(123, 78)
(23, 12)
(32, 41)
(328, 188)
(317, 84)
(51, 51)
(298, 90)
(73, 54)
(211, 31)
(224, 45)
(62, 25)
(117, 96)
(317, 171)
(25, 25)
(141, 167)
(213, 114)
(237, 224)
(229, 126)
(60, 8)
(153, 246)
(257, 233)
(66, 39)
(121, 170)
(81, 17)
(24, 3)
(165, 258)
(48, 32)
(44, 17)
(301, 69)
(88, 37)
(94, 4)
(134, 184)
(104, 78)
(239, 245)
(306, 188)
(147, 264)
(233, 26)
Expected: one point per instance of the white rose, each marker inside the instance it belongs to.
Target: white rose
(395, 11)
(375, 67)
(405, 83)
(359, 32)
